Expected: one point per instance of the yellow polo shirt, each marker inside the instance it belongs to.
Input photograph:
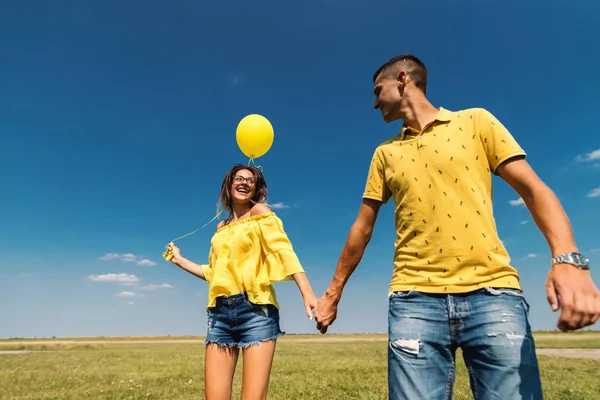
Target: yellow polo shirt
(441, 183)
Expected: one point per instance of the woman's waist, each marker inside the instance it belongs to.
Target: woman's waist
(226, 300)
(232, 299)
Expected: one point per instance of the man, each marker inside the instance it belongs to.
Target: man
(453, 285)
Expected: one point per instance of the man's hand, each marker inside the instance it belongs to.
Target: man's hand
(573, 291)
(568, 287)
(325, 312)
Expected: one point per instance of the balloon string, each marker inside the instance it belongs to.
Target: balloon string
(202, 227)
(251, 162)
(167, 255)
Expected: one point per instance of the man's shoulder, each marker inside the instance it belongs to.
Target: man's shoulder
(381, 146)
(468, 112)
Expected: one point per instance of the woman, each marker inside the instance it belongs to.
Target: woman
(249, 252)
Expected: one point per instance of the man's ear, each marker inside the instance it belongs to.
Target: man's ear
(401, 77)
(401, 82)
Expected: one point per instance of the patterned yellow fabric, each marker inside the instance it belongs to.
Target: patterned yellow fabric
(441, 183)
(250, 255)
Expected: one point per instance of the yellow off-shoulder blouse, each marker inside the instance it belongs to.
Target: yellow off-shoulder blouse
(250, 255)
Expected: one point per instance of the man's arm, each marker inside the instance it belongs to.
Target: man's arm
(567, 287)
(360, 234)
(358, 239)
(542, 203)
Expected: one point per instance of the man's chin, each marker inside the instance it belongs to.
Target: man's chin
(390, 118)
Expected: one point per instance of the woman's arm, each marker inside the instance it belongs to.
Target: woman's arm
(191, 267)
(303, 284)
(310, 300)
(185, 264)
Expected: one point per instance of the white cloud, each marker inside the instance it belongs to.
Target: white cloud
(518, 202)
(147, 263)
(524, 222)
(115, 256)
(593, 156)
(128, 258)
(126, 294)
(594, 193)
(530, 256)
(278, 206)
(131, 303)
(125, 279)
(157, 286)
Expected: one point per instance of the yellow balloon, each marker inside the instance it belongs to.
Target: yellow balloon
(254, 135)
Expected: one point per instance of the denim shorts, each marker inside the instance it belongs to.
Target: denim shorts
(236, 322)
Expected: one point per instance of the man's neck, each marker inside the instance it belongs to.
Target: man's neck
(418, 112)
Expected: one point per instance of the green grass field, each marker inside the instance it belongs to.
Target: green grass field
(305, 367)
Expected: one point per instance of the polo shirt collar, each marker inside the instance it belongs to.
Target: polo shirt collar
(443, 115)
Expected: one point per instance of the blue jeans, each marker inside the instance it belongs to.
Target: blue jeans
(490, 326)
(236, 322)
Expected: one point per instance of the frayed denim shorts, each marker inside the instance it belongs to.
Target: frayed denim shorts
(236, 322)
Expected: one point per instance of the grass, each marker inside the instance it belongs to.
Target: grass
(574, 340)
(305, 367)
(103, 338)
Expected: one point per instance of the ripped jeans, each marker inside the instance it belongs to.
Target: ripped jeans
(490, 326)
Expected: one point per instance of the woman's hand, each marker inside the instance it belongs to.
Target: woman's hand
(310, 302)
(173, 254)
(176, 259)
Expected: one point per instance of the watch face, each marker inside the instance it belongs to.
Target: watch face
(581, 260)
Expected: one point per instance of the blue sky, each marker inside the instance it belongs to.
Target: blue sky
(118, 124)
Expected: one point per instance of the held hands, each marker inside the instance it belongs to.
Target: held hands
(325, 312)
(310, 302)
(573, 291)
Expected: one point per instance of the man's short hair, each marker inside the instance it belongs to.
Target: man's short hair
(408, 63)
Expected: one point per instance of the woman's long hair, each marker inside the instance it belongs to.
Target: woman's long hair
(225, 200)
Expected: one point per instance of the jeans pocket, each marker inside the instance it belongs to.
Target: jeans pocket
(210, 320)
(268, 311)
(508, 292)
(400, 294)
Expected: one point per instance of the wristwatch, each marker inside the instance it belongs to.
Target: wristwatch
(576, 259)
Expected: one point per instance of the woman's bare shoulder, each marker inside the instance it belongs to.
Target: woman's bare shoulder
(260, 208)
